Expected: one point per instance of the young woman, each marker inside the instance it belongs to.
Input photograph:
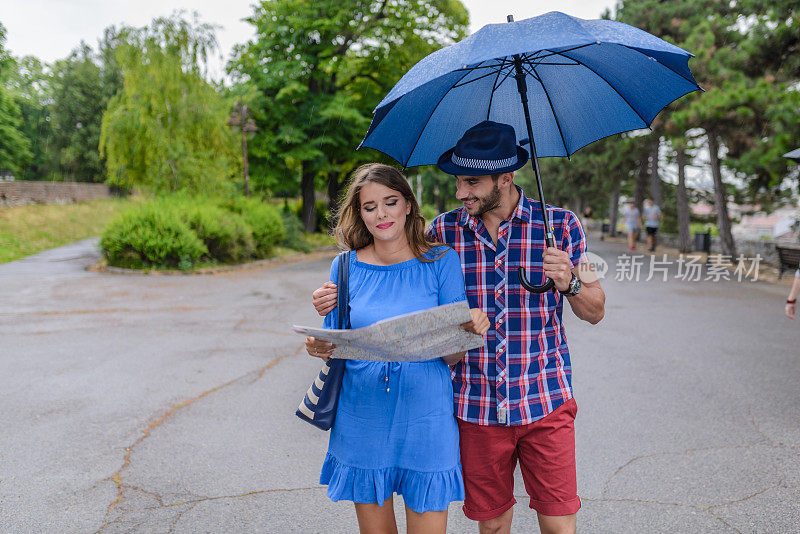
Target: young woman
(394, 430)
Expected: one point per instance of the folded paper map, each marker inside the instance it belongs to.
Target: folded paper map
(412, 337)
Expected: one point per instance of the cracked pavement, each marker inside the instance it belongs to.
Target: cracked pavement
(166, 404)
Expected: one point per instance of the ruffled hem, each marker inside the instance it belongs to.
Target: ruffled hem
(422, 491)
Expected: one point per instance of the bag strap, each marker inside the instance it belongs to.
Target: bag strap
(343, 297)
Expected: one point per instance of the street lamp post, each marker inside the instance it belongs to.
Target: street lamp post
(240, 121)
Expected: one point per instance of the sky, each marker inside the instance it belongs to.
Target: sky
(50, 29)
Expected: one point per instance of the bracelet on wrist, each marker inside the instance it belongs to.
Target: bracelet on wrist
(792, 301)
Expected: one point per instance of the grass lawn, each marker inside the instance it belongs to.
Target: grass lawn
(26, 230)
(696, 227)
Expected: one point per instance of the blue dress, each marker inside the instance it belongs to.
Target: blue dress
(394, 429)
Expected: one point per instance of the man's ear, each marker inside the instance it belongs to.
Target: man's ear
(506, 179)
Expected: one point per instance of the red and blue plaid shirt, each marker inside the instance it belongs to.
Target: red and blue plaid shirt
(523, 372)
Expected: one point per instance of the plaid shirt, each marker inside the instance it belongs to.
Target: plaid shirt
(523, 372)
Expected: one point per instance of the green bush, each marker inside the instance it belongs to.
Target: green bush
(227, 235)
(183, 232)
(323, 216)
(429, 212)
(265, 221)
(294, 231)
(151, 236)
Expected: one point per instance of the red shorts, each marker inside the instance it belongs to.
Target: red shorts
(546, 453)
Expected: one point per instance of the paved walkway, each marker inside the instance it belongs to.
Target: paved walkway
(165, 404)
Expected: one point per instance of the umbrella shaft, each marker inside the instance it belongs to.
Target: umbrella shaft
(522, 87)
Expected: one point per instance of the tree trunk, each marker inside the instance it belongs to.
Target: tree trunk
(655, 179)
(334, 192)
(684, 244)
(307, 188)
(720, 198)
(642, 179)
(441, 204)
(244, 162)
(613, 211)
(576, 205)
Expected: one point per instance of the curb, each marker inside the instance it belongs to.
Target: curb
(102, 267)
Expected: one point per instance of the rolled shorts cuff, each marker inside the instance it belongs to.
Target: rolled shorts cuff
(556, 508)
(485, 515)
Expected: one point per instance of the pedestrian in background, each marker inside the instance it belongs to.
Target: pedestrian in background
(587, 216)
(791, 300)
(633, 224)
(652, 220)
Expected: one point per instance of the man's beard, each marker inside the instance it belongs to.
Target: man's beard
(487, 203)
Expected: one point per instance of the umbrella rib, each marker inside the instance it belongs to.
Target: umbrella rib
(557, 64)
(552, 53)
(531, 70)
(663, 65)
(470, 69)
(508, 73)
(533, 61)
(647, 124)
(413, 148)
(475, 79)
(495, 86)
(555, 116)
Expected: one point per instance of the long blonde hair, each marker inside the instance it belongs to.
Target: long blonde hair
(350, 230)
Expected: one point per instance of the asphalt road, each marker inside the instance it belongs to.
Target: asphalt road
(166, 404)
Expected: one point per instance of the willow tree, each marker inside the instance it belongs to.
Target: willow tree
(166, 129)
(15, 148)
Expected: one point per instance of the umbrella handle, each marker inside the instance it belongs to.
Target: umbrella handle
(523, 280)
(522, 88)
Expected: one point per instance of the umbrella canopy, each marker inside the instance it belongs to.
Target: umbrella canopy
(585, 80)
(794, 155)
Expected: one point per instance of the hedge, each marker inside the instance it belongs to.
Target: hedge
(184, 232)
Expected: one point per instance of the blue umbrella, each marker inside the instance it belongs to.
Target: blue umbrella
(577, 81)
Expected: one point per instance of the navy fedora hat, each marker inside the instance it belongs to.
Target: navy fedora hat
(486, 148)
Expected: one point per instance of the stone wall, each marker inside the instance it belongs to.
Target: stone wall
(18, 193)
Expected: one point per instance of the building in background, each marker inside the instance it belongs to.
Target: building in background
(780, 225)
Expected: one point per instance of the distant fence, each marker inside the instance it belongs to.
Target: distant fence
(18, 193)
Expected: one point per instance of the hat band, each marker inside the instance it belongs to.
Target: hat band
(487, 164)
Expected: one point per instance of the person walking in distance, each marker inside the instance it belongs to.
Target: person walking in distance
(791, 300)
(652, 220)
(633, 224)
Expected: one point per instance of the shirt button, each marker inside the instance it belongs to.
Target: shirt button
(387, 378)
(387, 390)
